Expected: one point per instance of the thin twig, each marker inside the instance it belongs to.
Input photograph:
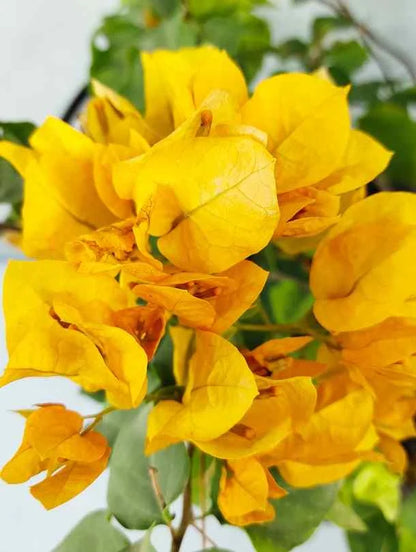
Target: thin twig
(187, 519)
(367, 34)
(160, 498)
(205, 537)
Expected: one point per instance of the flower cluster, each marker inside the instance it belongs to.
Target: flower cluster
(143, 225)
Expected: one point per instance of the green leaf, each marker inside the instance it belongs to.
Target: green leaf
(367, 93)
(380, 536)
(345, 516)
(324, 25)
(405, 97)
(393, 127)
(171, 33)
(375, 484)
(293, 47)
(246, 40)
(289, 301)
(164, 8)
(204, 9)
(112, 423)
(297, 516)
(94, 533)
(131, 496)
(162, 361)
(11, 183)
(346, 56)
(116, 59)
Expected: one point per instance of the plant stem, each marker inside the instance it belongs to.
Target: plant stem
(367, 34)
(187, 519)
(292, 329)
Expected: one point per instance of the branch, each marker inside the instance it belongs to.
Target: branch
(187, 519)
(367, 34)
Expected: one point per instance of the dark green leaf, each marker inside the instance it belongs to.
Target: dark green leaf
(346, 56)
(11, 183)
(164, 8)
(204, 9)
(246, 40)
(117, 64)
(94, 534)
(367, 93)
(324, 25)
(405, 97)
(293, 47)
(172, 33)
(162, 361)
(298, 515)
(392, 125)
(131, 495)
(380, 535)
(112, 423)
(289, 301)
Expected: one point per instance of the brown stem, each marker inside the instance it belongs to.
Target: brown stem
(187, 519)
(160, 498)
(367, 34)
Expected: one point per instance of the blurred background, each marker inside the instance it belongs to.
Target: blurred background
(45, 59)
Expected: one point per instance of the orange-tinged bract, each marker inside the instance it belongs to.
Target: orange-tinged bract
(54, 442)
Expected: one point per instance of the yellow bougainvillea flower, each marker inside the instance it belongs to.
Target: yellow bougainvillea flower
(360, 282)
(245, 488)
(318, 155)
(336, 439)
(202, 301)
(68, 188)
(382, 359)
(219, 390)
(207, 194)
(60, 323)
(54, 442)
(280, 407)
(176, 83)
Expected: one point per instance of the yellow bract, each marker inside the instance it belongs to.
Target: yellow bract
(219, 389)
(318, 155)
(176, 83)
(245, 487)
(202, 301)
(205, 196)
(59, 323)
(54, 443)
(360, 282)
(334, 441)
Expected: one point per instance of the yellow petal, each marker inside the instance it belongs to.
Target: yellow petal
(308, 125)
(244, 490)
(219, 391)
(224, 187)
(183, 347)
(249, 280)
(364, 159)
(177, 82)
(358, 283)
(68, 482)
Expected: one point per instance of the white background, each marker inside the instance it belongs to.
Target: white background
(44, 57)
